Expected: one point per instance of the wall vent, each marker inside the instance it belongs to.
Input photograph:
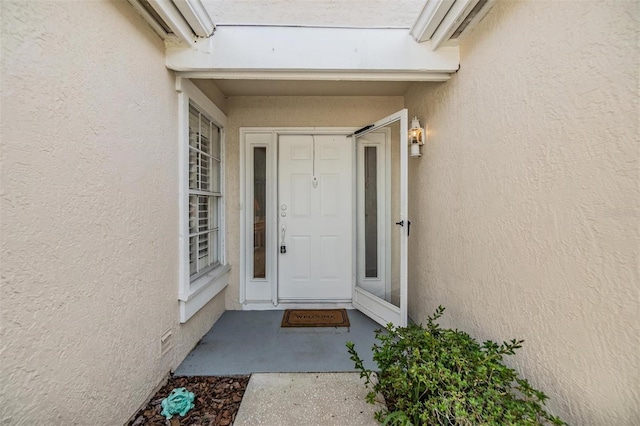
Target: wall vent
(166, 343)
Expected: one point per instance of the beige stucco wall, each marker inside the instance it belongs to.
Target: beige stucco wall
(286, 111)
(89, 219)
(526, 204)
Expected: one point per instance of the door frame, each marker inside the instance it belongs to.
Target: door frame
(266, 289)
(262, 294)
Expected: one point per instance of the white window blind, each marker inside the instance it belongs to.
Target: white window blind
(204, 193)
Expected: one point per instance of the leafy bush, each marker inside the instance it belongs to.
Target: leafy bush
(435, 376)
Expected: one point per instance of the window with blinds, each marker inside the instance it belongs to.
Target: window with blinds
(204, 193)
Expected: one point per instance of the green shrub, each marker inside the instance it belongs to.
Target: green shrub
(434, 376)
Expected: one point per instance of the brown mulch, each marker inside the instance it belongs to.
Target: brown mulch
(217, 400)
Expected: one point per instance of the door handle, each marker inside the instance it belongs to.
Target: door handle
(283, 247)
(401, 223)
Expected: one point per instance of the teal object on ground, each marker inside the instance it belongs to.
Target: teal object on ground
(179, 401)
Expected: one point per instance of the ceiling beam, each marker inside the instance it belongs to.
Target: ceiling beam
(303, 53)
(324, 75)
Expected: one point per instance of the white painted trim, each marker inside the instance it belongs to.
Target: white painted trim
(439, 19)
(359, 27)
(314, 53)
(174, 19)
(429, 19)
(450, 23)
(267, 306)
(370, 306)
(471, 25)
(150, 20)
(217, 116)
(208, 286)
(328, 75)
(245, 204)
(274, 222)
(194, 295)
(404, 215)
(302, 130)
(196, 16)
(242, 294)
(354, 212)
(253, 287)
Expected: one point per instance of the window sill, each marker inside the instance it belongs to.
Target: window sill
(202, 290)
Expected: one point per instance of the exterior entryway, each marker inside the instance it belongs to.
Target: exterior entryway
(325, 218)
(315, 217)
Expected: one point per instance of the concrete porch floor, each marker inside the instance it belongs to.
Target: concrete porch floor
(245, 342)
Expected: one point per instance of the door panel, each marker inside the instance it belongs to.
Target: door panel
(315, 210)
(383, 296)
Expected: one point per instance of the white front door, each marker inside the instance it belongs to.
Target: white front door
(315, 217)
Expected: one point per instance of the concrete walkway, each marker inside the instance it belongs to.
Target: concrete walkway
(305, 399)
(300, 376)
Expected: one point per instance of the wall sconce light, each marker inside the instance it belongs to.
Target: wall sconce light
(416, 137)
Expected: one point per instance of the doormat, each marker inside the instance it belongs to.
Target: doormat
(315, 318)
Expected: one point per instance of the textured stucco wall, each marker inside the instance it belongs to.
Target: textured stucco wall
(89, 219)
(286, 111)
(525, 205)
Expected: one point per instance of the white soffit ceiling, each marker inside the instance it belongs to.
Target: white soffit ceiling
(311, 88)
(332, 13)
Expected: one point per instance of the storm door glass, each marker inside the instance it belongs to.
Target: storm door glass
(381, 217)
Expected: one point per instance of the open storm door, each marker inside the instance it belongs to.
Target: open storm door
(382, 225)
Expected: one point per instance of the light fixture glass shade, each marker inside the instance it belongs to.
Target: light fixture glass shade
(415, 150)
(416, 137)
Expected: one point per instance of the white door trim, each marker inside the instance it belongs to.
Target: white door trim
(263, 294)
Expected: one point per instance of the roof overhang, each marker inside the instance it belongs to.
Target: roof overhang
(312, 53)
(447, 22)
(426, 52)
(183, 21)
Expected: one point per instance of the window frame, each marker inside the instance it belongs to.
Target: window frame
(195, 292)
(209, 194)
